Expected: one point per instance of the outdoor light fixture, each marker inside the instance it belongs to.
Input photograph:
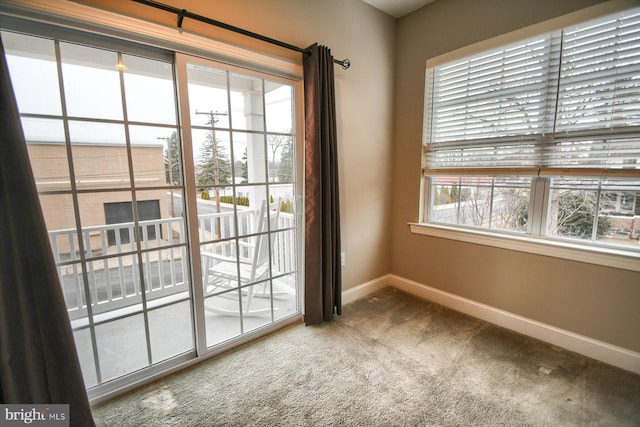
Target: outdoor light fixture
(120, 66)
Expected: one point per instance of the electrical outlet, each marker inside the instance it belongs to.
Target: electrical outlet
(342, 258)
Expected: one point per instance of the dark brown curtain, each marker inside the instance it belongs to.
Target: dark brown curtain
(323, 273)
(38, 360)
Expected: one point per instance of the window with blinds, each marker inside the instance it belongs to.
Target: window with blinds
(540, 137)
(563, 103)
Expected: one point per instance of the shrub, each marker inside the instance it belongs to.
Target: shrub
(242, 201)
(286, 206)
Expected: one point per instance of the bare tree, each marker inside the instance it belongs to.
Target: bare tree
(275, 143)
(511, 209)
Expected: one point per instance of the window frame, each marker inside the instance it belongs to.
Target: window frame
(535, 241)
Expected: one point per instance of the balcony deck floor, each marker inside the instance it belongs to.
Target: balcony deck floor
(122, 348)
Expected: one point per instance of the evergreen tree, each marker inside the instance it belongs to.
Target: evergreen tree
(244, 168)
(454, 193)
(172, 160)
(212, 154)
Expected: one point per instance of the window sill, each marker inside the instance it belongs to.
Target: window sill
(625, 260)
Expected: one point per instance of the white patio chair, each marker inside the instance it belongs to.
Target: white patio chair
(220, 273)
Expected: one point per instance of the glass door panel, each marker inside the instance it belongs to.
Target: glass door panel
(112, 198)
(238, 165)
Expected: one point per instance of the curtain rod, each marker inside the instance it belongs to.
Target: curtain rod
(184, 13)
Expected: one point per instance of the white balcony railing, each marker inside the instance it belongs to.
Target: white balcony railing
(113, 263)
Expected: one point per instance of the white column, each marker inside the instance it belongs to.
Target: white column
(256, 152)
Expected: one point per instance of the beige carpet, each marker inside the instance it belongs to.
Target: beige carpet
(390, 360)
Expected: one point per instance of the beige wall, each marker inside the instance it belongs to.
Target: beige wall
(599, 302)
(354, 30)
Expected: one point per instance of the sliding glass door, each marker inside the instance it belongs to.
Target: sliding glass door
(172, 219)
(241, 130)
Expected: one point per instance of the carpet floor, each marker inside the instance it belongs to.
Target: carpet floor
(390, 360)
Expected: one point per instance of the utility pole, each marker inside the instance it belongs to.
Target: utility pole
(213, 119)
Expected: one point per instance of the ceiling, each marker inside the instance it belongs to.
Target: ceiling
(398, 8)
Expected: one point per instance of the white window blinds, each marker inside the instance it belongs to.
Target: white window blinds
(562, 103)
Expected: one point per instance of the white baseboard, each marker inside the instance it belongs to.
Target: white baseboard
(595, 349)
(365, 289)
